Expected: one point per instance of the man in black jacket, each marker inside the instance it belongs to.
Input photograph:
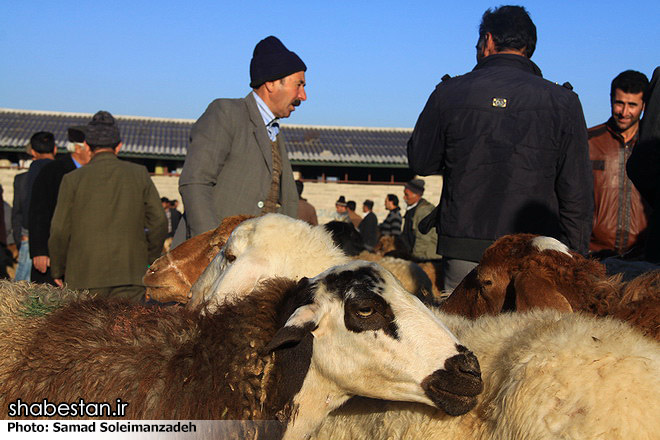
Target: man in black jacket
(512, 148)
(44, 199)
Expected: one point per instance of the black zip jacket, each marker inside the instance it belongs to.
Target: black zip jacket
(512, 148)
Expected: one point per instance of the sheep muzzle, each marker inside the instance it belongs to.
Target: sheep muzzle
(455, 388)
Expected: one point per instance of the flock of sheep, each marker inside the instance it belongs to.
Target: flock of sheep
(280, 324)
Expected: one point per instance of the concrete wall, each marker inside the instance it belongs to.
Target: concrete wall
(320, 194)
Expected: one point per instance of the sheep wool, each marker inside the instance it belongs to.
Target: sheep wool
(547, 375)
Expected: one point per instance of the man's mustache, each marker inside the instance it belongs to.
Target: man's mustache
(296, 103)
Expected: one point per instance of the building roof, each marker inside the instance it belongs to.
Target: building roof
(162, 138)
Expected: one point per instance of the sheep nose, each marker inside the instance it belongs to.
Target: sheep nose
(464, 363)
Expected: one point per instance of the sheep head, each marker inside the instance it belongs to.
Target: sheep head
(372, 338)
(510, 277)
(260, 248)
(171, 276)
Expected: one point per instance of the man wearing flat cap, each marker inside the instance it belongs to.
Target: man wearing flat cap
(422, 246)
(44, 199)
(236, 162)
(108, 224)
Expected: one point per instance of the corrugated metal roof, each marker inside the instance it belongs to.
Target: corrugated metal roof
(168, 138)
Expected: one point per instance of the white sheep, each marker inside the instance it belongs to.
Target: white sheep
(264, 247)
(547, 375)
(287, 352)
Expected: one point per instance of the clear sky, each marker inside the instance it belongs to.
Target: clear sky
(370, 63)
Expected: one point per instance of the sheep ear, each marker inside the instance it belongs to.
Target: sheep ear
(302, 322)
(534, 290)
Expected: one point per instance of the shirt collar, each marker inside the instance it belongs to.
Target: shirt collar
(413, 205)
(270, 121)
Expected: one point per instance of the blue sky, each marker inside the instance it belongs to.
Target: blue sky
(370, 63)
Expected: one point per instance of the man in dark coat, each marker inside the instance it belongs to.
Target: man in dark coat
(511, 146)
(44, 199)
(644, 165)
(42, 148)
(108, 224)
(368, 227)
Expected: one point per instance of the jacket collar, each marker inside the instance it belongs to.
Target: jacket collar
(105, 155)
(259, 130)
(509, 60)
(612, 128)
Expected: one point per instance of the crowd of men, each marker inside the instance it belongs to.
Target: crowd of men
(513, 149)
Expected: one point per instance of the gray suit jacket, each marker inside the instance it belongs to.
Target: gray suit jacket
(229, 164)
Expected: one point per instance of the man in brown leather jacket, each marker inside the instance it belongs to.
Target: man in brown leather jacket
(620, 215)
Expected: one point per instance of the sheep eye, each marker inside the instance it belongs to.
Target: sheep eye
(231, 258)
(365, 312)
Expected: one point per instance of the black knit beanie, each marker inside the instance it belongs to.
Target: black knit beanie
(271, 60)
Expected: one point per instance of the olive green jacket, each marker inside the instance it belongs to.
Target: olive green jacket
(108, 224)
(425, 244)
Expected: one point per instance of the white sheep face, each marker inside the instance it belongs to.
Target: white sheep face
(260, 248)
(374, 339)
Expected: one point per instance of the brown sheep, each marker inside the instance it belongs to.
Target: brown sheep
(288, 352)
(523, 271)
(170, 277)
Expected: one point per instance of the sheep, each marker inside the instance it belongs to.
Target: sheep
(260, 248)
(170, 277)
(288, 351)
(547, 375)
(522, 271)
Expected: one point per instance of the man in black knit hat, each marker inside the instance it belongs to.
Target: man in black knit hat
(236, 163)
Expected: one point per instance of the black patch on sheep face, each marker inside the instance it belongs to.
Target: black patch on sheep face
(364, 307)
(292, 346)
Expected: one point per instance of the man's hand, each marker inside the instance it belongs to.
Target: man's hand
(59, 282)
(41, 263)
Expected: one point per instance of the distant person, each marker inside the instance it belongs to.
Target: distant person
(6, 256)
(24, 263)
(165, 203)
(421, 246)
(368, 227)
(341, 212)
(644, 166)
(175, 215)
(108, 224)
(392, 223)
(352, 215)
(620, 214)
(42, 148)
(236, 162)
(44, 199)
(511, 146)
(306, 210)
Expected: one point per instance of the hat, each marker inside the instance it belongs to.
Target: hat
(271, 60)
(341, 201)
(416, 186)
(75, 135)
(101, 131)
